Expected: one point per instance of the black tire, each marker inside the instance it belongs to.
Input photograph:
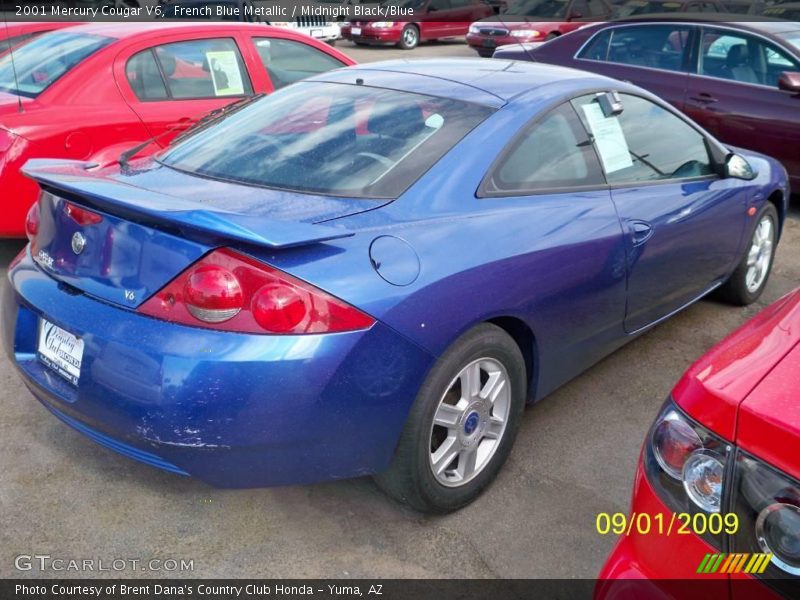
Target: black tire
(550, 36)
(360, 43)
(410, 478)
(409, 38)
(331, 43)
(485, 54)
(735, 290)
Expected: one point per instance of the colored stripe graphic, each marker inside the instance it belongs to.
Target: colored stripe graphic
(753, 563)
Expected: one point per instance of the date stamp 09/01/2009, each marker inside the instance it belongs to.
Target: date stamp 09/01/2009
(641, 523)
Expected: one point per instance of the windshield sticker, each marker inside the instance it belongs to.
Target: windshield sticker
(608, 139)
(225, 73)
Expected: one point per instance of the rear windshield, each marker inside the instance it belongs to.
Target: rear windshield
(328, 138)
(644, 7)
(43, 60)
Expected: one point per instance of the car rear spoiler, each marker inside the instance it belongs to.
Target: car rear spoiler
(69, 179)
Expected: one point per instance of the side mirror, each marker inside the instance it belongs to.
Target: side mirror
(575, 15)
(789, 81)
(736, 166)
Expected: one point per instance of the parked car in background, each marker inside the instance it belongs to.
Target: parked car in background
(318, 27)
(534, 20)
(283, 297)
(433, 20)
(739, 80)
(636, 8)
(723, 450)
(14, 33)
(128, 82)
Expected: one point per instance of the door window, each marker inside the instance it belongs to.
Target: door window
(189, 70)
(743, 58)
(645, 142)
(654, 46)
(287, 61)
(554, 153)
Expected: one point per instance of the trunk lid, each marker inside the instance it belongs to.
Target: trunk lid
(145, 238)
(769, 419)
(713, 388)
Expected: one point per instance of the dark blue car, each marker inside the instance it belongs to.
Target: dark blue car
(372, 271)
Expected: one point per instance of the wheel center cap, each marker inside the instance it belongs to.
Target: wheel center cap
(471, 422)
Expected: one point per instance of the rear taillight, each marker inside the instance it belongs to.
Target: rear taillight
(213, 294)
(768, 504)
(32, 222)
(229, 291)
(686, 465)
(80, 215)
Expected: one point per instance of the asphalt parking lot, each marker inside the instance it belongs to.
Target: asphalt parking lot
(62, 495)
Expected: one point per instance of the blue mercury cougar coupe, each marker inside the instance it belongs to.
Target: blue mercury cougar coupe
(373, 270)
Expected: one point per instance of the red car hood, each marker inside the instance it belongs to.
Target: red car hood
(746, 369)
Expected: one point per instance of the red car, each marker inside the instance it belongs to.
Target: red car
(721, 465)
(535, 21)
(14, 33)
(433, 20)
(93, 91)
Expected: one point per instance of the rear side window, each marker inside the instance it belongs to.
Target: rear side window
(554, 153)
(653, 46)
(597, 48)
(194, 69)
(645, 143)
(287, 61)
(145, 78)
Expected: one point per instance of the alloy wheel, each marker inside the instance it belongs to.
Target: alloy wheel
(410, 37)
(469, 422)
(759, 257)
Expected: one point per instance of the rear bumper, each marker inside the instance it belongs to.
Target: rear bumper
(234, 410)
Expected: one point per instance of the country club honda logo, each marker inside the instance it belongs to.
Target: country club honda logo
(734, 563)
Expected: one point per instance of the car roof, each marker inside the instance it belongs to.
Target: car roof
(159, 28)
(753, 23)
(487, 81)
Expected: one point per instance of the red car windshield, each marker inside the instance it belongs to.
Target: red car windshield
(544, 9)
(33, 67)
